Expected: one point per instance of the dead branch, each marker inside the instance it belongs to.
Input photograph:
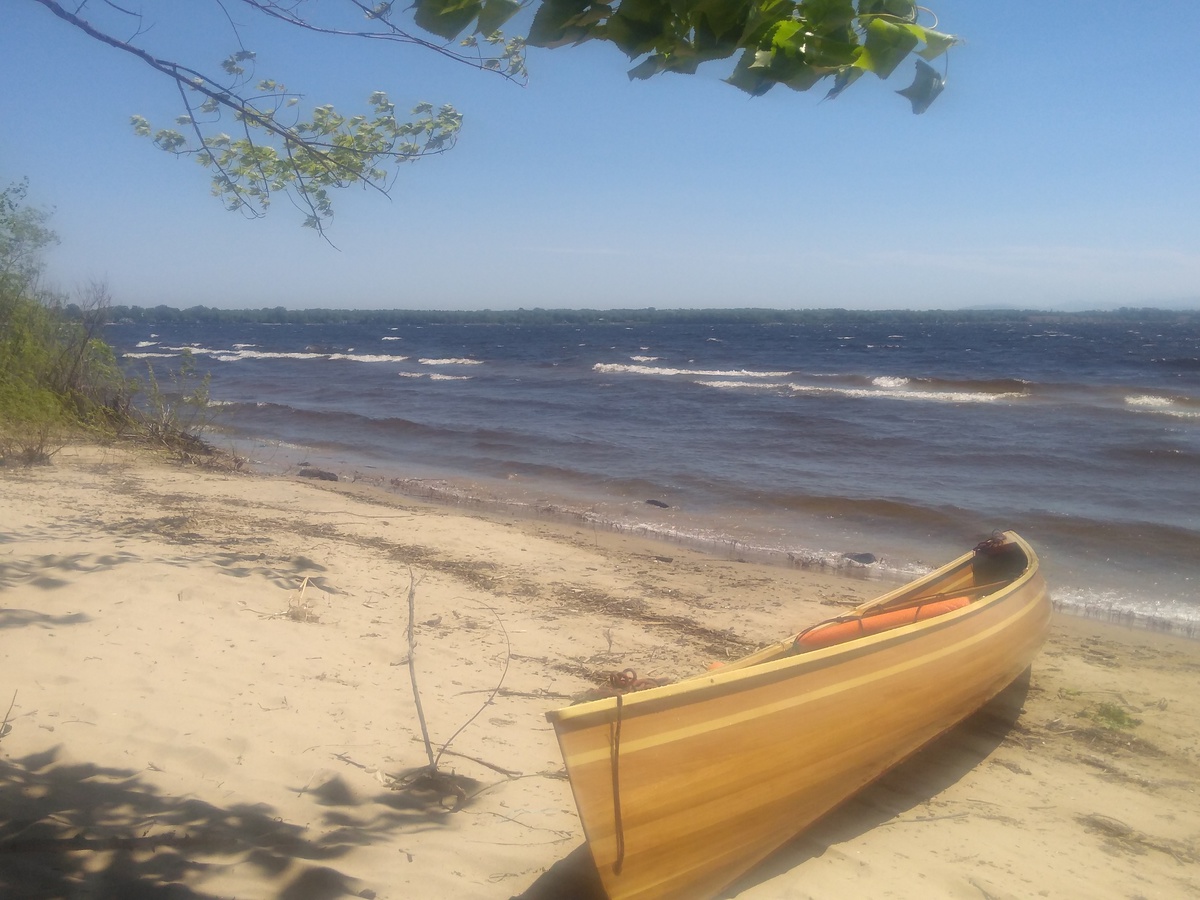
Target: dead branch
(412, 668)
(492, 696)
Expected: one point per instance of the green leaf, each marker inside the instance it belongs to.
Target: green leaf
(828, 15)
(647, 68)
(843, 80)
(903, 10)
(789, 34)
(638, 26)
(762, 18)
(556, 23)
(495, 13)
(886, 46)
(936, 43)
(719, 22)
(749, 78)
(925, 88)
(446, 18)
(232, 63)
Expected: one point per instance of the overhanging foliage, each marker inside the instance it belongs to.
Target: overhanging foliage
(796, 43)
(248, 132)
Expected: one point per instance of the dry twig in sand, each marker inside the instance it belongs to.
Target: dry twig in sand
(429, 779)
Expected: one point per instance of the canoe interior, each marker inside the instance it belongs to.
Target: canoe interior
(682, 788)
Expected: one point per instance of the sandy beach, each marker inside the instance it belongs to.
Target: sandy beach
(211, 696)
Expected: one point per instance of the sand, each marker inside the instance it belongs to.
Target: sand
(211, 696)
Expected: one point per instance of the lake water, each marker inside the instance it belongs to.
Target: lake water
(906, 438)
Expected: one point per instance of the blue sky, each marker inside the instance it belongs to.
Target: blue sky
(1059, 170)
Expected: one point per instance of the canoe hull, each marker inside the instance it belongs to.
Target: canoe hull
(681, 789)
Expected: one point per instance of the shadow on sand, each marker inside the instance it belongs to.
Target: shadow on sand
(81, 830)
(919, 779)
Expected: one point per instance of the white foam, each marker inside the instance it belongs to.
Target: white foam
(147, 343)
(1171, 615)
(450, 361)
(1163, 406)
(1147, 400)
(894, 394)
(437, 376)
(241, 352)
(889, 381)
(197, 350)
(368, 357)
(225, 356)
(744, 385)
(131, 355)
(622, 369)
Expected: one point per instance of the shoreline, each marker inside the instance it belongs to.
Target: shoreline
(472, 494)
(212, 691)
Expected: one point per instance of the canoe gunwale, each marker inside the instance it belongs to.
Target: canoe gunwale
(734, 679)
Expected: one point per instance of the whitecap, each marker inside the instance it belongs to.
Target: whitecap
(621, 368)
(196, 350)
(735, 385)
(892, 394)
(368, 357)
(450, 361)
(1163, 406)
(225, 356)
(1148, 400)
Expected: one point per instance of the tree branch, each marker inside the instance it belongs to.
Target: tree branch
(332, 151)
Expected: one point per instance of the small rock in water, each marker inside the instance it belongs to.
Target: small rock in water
(863, 558)
(657, 503)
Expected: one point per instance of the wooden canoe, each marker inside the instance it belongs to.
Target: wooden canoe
(683, 788)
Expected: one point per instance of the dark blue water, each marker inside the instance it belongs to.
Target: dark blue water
(799, 442)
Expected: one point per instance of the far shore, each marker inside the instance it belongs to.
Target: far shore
(209, 676)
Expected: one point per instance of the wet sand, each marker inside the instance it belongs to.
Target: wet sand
(209, 677)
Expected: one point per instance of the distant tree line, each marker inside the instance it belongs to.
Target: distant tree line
(278, 315)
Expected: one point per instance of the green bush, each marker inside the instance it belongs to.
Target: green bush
(57, 377)
(33, 424)
(179, 412)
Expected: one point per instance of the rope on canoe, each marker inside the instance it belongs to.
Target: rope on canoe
(617, 683)
(619, 827)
